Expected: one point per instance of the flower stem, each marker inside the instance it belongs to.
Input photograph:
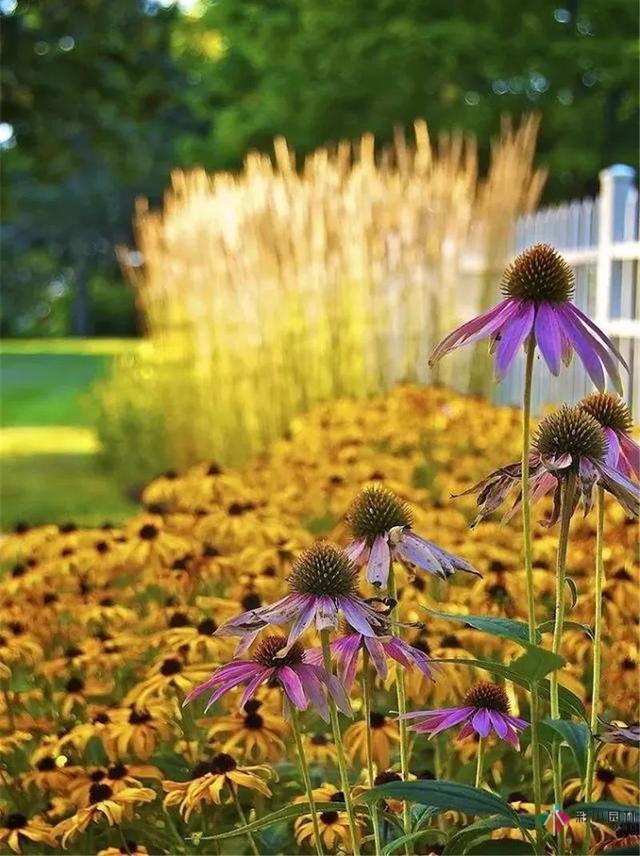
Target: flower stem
(597, 647)
(402, 709)
(295, 723)
(479, 761)
(366, 712)
(528, 567)
(337, 737)
(244, 821)
(568, 488)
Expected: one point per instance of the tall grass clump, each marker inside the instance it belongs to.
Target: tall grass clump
(267, 291)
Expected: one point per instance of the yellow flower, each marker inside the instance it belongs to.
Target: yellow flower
(169, 675)
(320, 749)
(136, 730)
(16, 830)
(209, 778)
(383, 734)
(104, 804)
(606, 786)
(255, 733)
(333, 825)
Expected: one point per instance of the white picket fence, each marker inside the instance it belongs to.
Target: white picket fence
(599, 238)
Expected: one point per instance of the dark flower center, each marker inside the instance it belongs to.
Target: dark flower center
(18, 570)
(377, 720)
(179, 619)
(572, 430)
(181, 564)
(68, 527)
(97, 775)
(337, 797)
(46, 764)
(375, 511)
(319, 740)
(252, 706)
(324, 570)
(251, 601)
(217, 766)
(605, 776)
(387, 776)
(207, 627)
(488, 696)
(170, 666)
(450, 641)
(427, 775)
(139, 717)
(148, 532)
(170, 475)
(99, 792)
(329, 817)
(15, 821)
(269, 647)
(628, 664)
(253, 721)
(210, 551)
(102, 547)
(21, 527)
(118, 771)
(214, 470)
(539, 274)
(609, 410)
(517, 796)
(73, 651)
(75, 685)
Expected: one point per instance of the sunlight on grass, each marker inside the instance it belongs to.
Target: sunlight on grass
(47, 440)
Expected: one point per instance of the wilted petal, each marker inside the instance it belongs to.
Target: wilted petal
(625, 491)
(418, 552)
(355, 549)
(631, 451)
(379, 561)
(587, 477)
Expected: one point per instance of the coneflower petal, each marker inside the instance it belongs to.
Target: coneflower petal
(379, 560)
(582, 343)
(513, 335)
(481, 722)
(478, 328)
(292, 686)
(377, 650)
(549, 337)
(605, 339)
(631, 452)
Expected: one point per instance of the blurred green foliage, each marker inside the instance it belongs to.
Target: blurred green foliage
(103, 97)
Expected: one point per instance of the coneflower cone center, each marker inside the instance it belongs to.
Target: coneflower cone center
(267, 652)
(324, 570)
(488, 696)
(539, 274)
(375, 511)
(572, 430)
(609, 410)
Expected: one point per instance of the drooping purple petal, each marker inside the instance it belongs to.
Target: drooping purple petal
(395, 648)
(354, 551)
(293, 687)
(314, 688)
(418, 552)
(631, 451)
(338, 694)
(475, 329)
(230, 684)
(376, 651)
(481, 722)
(600, 333)
(346, 651)
(453, 562)
(231, 670)
(252, 686)
(613, 447)
(466, 731)
(624, 490)
(587, 477)
(512, 737)
(379, 560)
(499, 725)
(456, 716)
(583, 344)
(515, 721)
(604, 351)
(326, 613)
(549, 337)
(304, 619)
(357, 614)
(514, 332)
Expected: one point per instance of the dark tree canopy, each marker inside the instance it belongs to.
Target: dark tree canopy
(104, 96)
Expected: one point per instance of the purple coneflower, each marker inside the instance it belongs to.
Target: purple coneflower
(569, 442)
(346, 648)
(380, 523)
(623, 453)
(485, 708)
(303, 681)
(323, 584)
(538, 286)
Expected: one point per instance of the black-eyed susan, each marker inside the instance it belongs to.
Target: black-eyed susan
(16, 830)
(137, 730)
(128, 848)
(333, 825)
(253, 732)
(319, 749)
(607, 785)
(104, 804)
(169, 675)
(384, 734)
(215, 780)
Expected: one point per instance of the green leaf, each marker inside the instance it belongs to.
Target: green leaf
(94, 754)
(536, 663)
(548, 627)
(574, 592)
(442, 794)
(577, 735)
(280, 816)
(506, 628)
(508, 846)
(570, 704)
(397, 843)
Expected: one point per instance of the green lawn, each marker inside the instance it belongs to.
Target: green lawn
(45, 383)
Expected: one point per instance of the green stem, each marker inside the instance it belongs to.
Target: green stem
(479, 761)
(568, 487)
(243, 819)
(337, 737)
(366, 713)
(597, 648)
(402, 709)
(295, 723)
(528, 567)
